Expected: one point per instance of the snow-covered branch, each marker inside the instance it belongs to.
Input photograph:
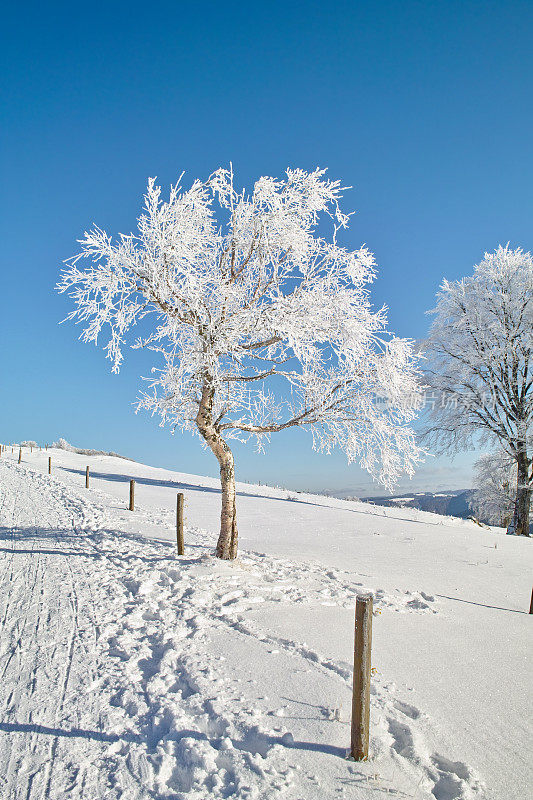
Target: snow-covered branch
(243, 293)
(480, 354)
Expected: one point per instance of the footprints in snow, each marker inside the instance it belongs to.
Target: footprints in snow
(446, 779)
(195, 743)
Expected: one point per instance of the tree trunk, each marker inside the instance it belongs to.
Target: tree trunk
(228, 538)
(520, 523)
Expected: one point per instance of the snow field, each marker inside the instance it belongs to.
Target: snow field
(130, 673)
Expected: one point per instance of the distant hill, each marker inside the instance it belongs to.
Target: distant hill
(450, 503)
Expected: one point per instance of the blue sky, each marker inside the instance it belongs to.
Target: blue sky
(425, 108)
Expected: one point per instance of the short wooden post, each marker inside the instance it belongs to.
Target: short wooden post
(361, 678)
(20, 454)
(86, 477)
(31, 448)
(531, 604)
(179, 524)
(132, 495)
(49, 465)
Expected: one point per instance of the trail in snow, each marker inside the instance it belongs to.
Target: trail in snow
(130, 674)
(46, 591)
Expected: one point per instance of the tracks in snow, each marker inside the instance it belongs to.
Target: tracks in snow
(110, 691)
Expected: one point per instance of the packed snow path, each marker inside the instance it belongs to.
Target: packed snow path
(95, 674)
(128, 673)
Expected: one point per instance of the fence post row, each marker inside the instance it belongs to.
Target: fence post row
(360, 733)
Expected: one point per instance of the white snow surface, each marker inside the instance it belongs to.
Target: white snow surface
(128, 672)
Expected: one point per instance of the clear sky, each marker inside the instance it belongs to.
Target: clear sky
(425, 108)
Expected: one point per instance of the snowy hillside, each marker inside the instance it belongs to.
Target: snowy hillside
(131, 673)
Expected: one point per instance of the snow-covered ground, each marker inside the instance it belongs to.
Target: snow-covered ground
(128, 672)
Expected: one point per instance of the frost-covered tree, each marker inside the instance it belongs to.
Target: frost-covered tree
(480, 351)
(494, 488)
(260, 323)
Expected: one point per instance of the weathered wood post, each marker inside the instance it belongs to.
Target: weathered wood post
(361, 678)
(20, 454)
(49, 465)
(86, 477)
(179, 524)
(31, 448)
(132, 495)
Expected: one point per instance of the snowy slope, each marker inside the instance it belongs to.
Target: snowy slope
(130, 673)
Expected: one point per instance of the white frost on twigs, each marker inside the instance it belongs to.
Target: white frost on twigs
(480, 352)
(244, 293)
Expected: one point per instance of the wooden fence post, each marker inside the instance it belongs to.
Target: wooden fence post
(132, 495)
(49, 465)
(361, 678)
(531, 604)
(179, 524)
(86, 477)
(20, 454)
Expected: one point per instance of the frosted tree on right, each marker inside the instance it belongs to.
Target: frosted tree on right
(479, 352)
(494, 485)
